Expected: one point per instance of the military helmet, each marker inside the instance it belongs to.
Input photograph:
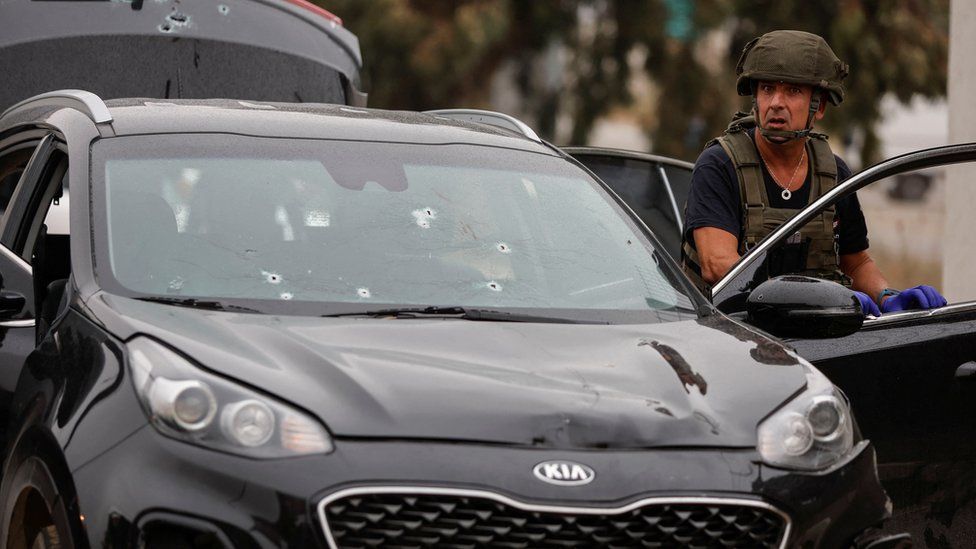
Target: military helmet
(791, 56)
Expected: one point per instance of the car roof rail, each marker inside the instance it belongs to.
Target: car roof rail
(87, 102)
(491, 118)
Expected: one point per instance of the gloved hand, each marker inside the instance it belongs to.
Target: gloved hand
(919, 297)
(868, 306)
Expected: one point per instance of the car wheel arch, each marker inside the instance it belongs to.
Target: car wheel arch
(36, 480)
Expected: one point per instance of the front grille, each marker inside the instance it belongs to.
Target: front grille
(401, 521)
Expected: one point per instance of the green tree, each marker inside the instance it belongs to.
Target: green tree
(423, 54)
(895, 47)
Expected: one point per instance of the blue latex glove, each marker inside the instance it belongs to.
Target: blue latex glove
(919, 297)
(868, 306)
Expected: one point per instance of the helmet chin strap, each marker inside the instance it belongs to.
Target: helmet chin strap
(782, 136)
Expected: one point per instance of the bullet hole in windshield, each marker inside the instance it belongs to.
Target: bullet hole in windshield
(424, 216)
(223, 9)
(494, 286)
(271, 278)
(174, 20)
(317, 218)
(503, 248)
(176, 284)
(287, 296)
(363, 293)
(178, 18)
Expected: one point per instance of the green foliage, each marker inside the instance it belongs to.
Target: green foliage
(427, 54)
(893, 46)
(423, 54)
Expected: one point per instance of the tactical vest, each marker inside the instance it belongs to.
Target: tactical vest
(816, 244)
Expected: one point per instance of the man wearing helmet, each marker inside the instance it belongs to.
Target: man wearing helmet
(769, 165)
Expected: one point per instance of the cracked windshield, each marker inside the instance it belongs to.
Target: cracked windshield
(370, 223)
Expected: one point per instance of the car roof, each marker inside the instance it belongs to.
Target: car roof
(306, 120)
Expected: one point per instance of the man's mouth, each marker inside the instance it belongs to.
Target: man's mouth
(776, 122)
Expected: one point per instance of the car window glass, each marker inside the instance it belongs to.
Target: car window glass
(680, 180)
(12, 165)
(797, 253)
(639, 184)
(49, 244)
(454, 224)
(47, 192)
(905, 217)
(56, 218)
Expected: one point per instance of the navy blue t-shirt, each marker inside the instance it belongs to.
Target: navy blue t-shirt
(713, 201)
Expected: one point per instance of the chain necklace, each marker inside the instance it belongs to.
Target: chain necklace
(787, 193)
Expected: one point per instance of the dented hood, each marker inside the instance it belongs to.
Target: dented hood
(704, 382)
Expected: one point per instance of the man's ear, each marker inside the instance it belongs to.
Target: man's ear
(822, 108)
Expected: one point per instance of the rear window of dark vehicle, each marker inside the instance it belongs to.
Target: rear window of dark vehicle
(157, 67)
(258, 50)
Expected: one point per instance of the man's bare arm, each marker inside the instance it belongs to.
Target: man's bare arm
(864, 273)
(718, 250)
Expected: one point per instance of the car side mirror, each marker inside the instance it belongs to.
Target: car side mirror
(801, 306)
(11, 304)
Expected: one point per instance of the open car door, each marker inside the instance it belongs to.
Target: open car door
(910, 376)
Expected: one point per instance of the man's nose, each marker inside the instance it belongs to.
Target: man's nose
(776, 99)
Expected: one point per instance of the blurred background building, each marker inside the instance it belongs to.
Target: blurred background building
(658, 76)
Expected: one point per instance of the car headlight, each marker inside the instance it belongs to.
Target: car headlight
(189, 404)
(811, 432)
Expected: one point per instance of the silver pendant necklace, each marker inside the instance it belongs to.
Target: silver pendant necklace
(786, 194)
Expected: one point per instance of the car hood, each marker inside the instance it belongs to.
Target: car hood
(704, 382)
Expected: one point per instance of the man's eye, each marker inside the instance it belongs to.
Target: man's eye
(795, 91)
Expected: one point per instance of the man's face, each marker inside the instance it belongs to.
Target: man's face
(784, 106)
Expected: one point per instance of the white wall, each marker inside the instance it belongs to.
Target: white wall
(959, 260)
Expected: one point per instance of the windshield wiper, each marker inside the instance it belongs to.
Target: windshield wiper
(463, 313)
(198, 304)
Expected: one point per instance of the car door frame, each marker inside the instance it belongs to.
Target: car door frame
(19, 334)
(905, 372)
(910, 375)
(741, 273)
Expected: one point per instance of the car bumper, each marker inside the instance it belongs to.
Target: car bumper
(150, 487)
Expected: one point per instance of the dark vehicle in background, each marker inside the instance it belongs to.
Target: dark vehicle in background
(259, 50)
(911, 376)
(322, 326)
